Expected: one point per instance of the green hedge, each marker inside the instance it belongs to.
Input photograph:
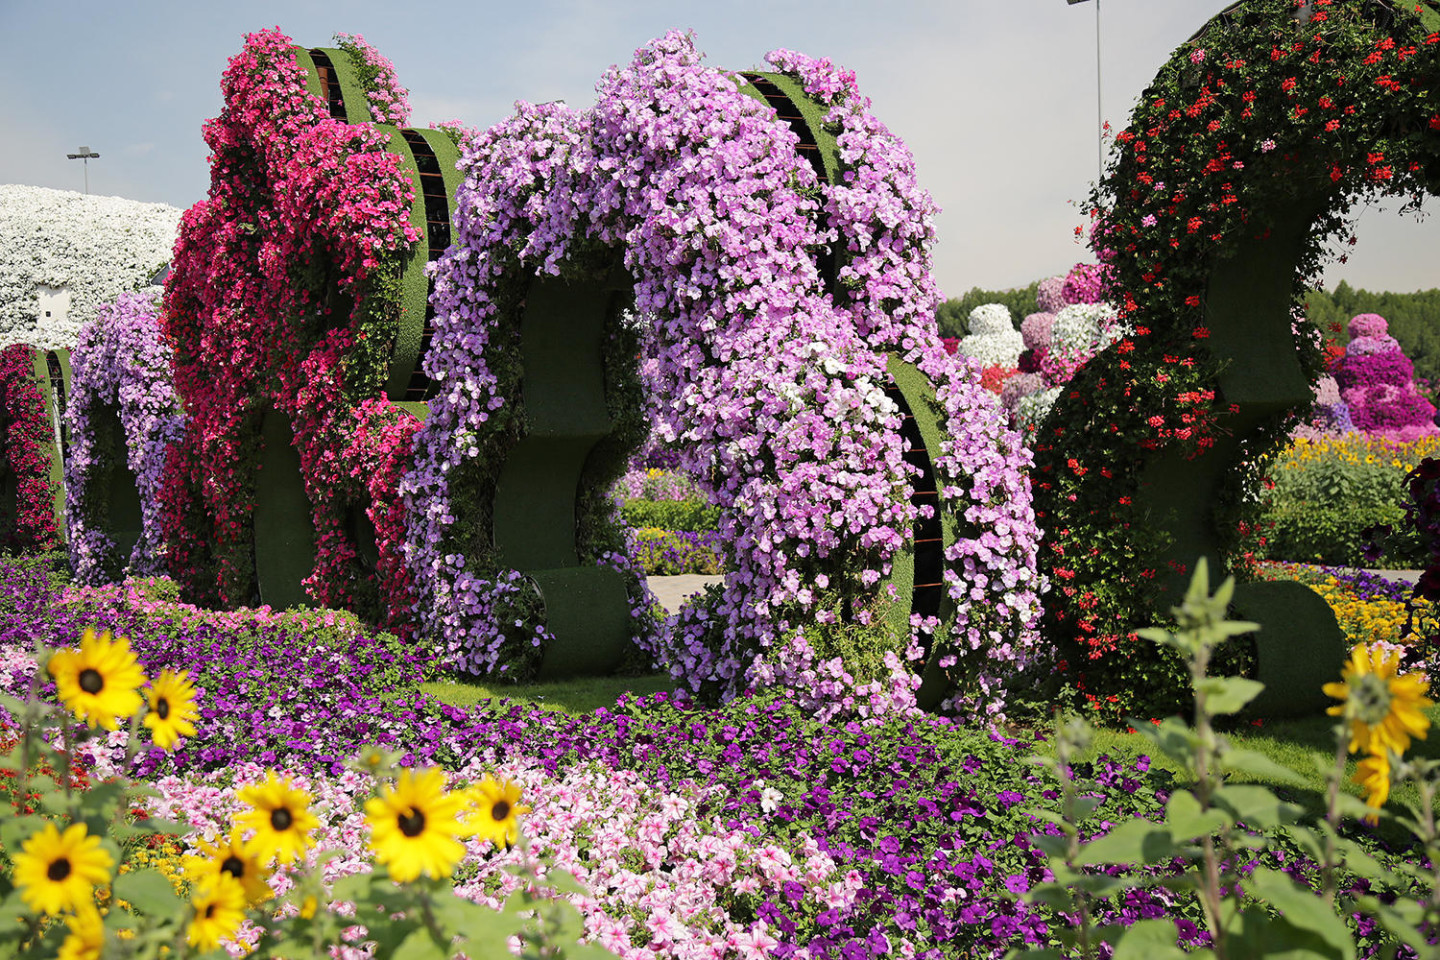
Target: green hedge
(695, 515)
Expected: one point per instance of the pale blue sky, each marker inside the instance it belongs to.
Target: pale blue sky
(996, 98)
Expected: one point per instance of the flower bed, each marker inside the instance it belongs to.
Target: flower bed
(750, 830)
(29, 471)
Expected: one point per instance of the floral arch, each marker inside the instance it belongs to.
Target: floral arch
(32, 383)
(1241, 160)
(297, 305)
(777, 298)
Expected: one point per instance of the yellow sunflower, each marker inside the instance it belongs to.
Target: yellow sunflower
(1373, 775)
(172, 708)
(413, 826)
(233, 858)
(59, 871)
(496, 813)
(219, 903)
(1384, 708)
(87, 935)
(280, 817)
(100, 682)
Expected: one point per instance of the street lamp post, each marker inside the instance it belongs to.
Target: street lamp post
(86, 155)
(1099, 110)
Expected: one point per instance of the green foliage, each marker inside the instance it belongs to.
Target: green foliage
(1319, 510)
(1251, 909)
(697, 514)
(953, 316)
(664, 553)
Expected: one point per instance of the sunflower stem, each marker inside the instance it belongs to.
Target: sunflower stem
(1332, 813)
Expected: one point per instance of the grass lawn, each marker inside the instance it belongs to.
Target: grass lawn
(579, 696)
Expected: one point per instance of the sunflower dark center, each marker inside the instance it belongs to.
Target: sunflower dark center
(412, 824)
(501, 810)
(209, 910)
(162, 707)
(59, 869)
(234, 866)
(281, 819)
(91, 681)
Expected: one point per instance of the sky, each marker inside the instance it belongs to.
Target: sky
(995, 98)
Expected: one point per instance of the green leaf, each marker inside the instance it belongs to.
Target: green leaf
(588, 951)
(1302, 909)
(1228, 695)
(1051, 845)
(1085, 806)
(479, 925)
(1187, 820)
(1129, 842)
(1149, 940)
(1257, 806)
(149, 893)
(419, 945)
(1258, 765)
(14, 831)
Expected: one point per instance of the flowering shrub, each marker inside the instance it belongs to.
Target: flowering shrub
(762, 384)
(1224, 161)
(29, 471)
(663, 553)
(120, 369)
(96, 248)
(1377, 383)
(993, 339)
(284, 300)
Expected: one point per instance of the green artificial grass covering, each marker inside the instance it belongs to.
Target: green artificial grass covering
(116, 482)
(357, 103)
(587, 608)
(414, 284)
(284, 529)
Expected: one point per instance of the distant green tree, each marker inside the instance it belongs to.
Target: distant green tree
(953, 316)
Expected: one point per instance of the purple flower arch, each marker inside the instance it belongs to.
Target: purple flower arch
(773, 390)
(121, 367)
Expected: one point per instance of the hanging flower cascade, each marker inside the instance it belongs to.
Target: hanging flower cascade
(284, 295)
(121, 367)
(1269, 124)
(29, 471)
(772, 392)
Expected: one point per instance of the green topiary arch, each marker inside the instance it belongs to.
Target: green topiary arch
(1242, 158)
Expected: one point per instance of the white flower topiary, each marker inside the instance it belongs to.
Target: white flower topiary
(75, 251)
(1031, 411)
(993, 339)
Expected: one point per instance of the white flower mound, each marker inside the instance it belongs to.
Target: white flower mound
(94, 247)
(993, 339)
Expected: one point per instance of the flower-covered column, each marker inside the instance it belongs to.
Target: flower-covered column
(31, 478)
